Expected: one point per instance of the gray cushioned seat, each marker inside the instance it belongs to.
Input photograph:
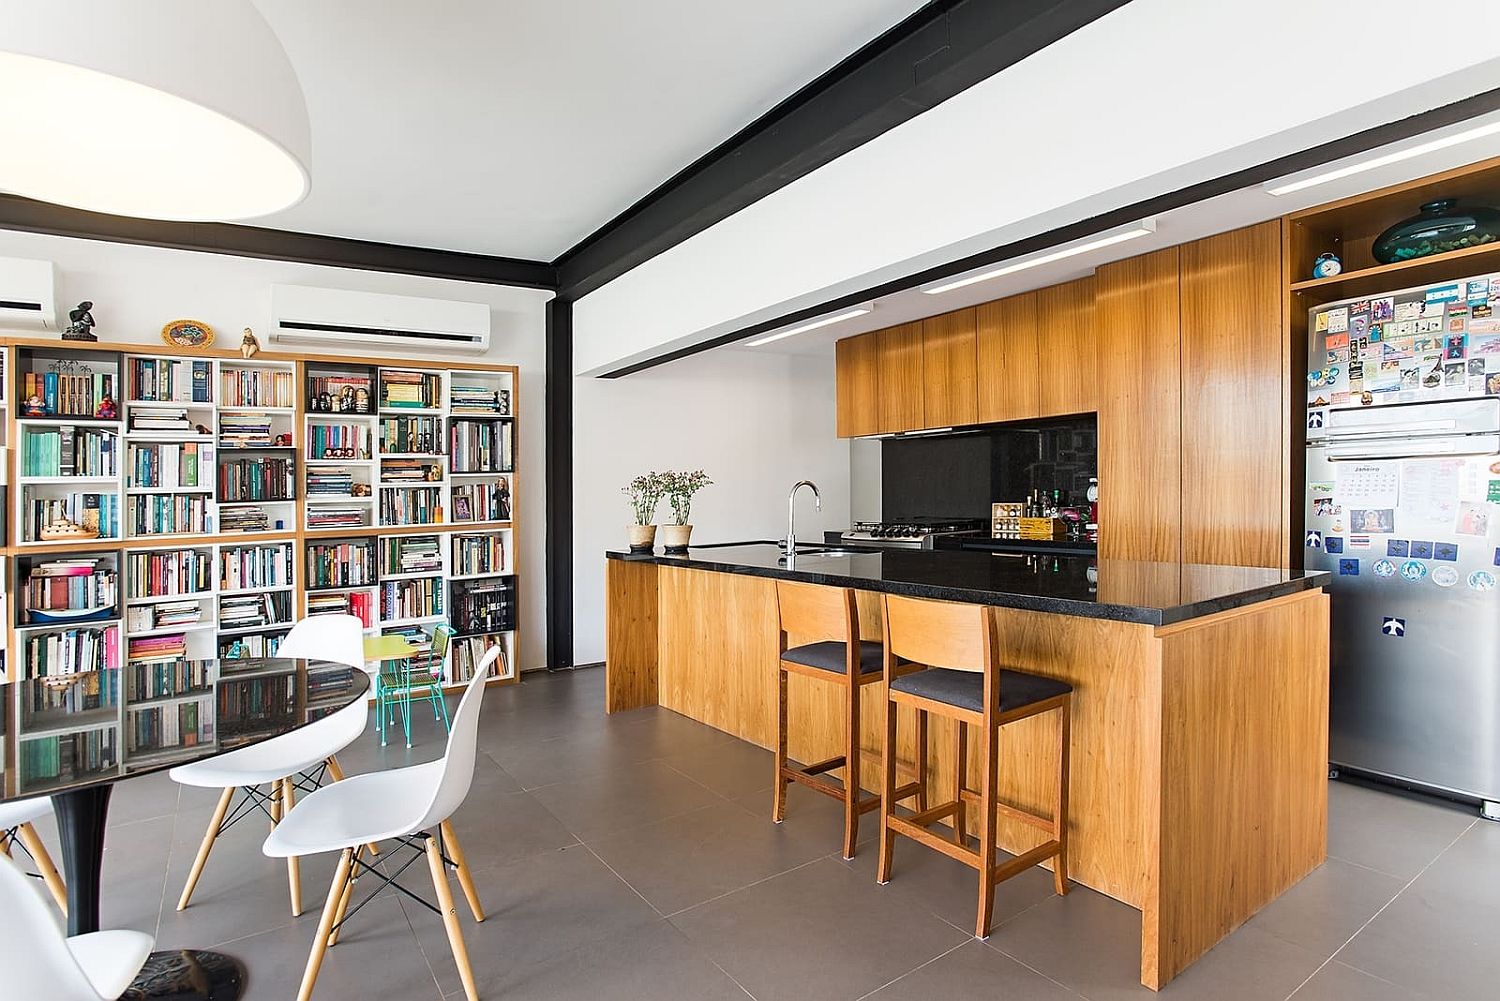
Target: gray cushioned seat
(830, 655)
(965, 689)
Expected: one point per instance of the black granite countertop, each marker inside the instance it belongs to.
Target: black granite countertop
(1121, 590)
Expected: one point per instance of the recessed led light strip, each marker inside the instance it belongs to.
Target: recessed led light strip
(1106, 239)
(1286, 187)
(824, 321)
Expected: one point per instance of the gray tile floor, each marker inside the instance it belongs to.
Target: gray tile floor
(631, 857)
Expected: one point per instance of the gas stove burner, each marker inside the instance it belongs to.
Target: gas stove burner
(911, 533)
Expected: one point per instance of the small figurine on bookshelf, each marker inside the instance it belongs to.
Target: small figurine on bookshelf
(34, 406)
(346, 400)
(106, 410)
(80, 323)
(283, 441)
(249, 346)
(502, 500)
(361, 400)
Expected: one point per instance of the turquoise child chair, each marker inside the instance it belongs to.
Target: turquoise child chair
(405, 677)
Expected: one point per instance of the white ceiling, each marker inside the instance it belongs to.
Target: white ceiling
(518, 127)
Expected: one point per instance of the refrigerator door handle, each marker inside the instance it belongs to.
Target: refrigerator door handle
(1406, 429)
(1413, 448)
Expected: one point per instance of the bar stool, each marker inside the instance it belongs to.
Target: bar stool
(959, 678)
(838, 656)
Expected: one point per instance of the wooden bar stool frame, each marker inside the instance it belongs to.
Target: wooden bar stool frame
(938, 639)
(820, 613)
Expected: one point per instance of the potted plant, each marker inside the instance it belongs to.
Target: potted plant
(679, 488)
(645, 494)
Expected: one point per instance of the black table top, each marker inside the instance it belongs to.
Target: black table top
(69, 732)
(1121, 590)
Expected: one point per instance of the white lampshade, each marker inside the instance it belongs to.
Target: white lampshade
(164, 109)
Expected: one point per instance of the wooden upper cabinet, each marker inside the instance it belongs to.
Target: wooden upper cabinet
(1068, 348)
(857, 385)
(900, 364)
(1007, 359)
(1136, 308)
(948, 381)
(1235, 430)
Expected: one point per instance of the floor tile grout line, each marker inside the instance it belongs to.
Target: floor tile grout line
(1407, 886)
(914, 969)
(731, 976)
(747, 886)
(628, 885)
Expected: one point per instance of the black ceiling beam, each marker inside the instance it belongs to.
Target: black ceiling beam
(937, 52)
(32, 216)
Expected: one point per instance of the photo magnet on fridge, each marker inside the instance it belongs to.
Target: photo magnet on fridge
(1421, 550)
(1314, 540)
(1482, 580)
(1397, 547)
(1333, 544)
(1393, 626)
(1384, 568)
(1444, 576)
(1314, 420)
(1348, 568)
(1446, 551)
(1376, 521)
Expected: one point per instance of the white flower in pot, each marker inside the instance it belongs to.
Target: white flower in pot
(645, 493)
(680, 488)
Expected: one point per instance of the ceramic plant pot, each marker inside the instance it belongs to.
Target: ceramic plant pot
(675, 537)
(642, 538)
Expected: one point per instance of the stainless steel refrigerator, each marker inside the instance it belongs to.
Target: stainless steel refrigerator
(1403, 508)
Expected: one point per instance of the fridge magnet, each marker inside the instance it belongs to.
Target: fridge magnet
(1319, 401)
(1341, 398)
(1482, 580)
(1326, 487)
(1434, 377)
(1456, 325)
(1455, 347)
(1356, 370)
(1473, 518)
(1397, 547)
(1374, 520)
(1478, 290)
(1326, 266)
(1358, 541)
(1333, 544)
(1411, 378)
(1359, 325)
(1432, 310)
(1384, 568)
(1447, 551)
(1382, 309)
(1443, 293)
(1493, 493)
(1485, 345)
(1338, 526)
(1331, 375)
(1400, 347)
(1444, 576)
(1422, 550)
(1338, 320)
(1497, 557)
(1393, 627)
(1390, 368)
(1453, 373)
(1366, 398)
(1361, 306)
(1324, 507)
(1314, 420)
(1406, 311)
(1315, 378)
(1336, 341)
(1348, 568)
(1320, 323)
(1414, 571)
(1476, 366)
(1314, 540)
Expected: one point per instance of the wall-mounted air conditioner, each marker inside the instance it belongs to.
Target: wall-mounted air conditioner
(303, 317)
(27, 299)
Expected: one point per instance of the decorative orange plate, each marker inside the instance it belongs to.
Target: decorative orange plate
(188, 334)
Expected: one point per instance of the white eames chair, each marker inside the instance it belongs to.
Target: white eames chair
(15, 828)
(37, 960)
(286, 763)
(410, 805)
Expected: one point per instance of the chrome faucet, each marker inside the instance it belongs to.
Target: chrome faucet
(791, 514)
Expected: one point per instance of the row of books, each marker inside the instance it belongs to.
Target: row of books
(68, 394)
(181, 571)
(71, 756)
(360, 604)
(400, 388)
(479, 400)
(347, 516)
(163, 615)
(475, 554)
(244, 519)
(329, 481)
(155, 650)
(160, 728)
(245, 429)
(482, 501)
(250, 704)
(482, 446)
(69, 651)
(411, 599)
(251, 611)
(410, 506)
(162, 421)
(69, 451)
(261, 479)
(340, 564)
(170, 465)
(255, 566)
(338, 439)
(168, 380)
(484, 606)
(249, 646)
(95, 690)
(165, 681)
(254, 387)
(409, 471)
(97, 514)
(466, 655)
(168, 514)
(410, 554)
(84, 582)
(411, 434)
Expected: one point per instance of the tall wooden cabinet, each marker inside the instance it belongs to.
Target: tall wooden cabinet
(948, 370)
(1008, 359)
(899, 401)
(857, 369)
(1067, 349)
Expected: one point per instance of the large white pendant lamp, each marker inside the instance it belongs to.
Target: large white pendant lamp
(163, 109)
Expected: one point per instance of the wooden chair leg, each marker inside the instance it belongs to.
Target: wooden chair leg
(275, 802)
(7, 839)
(344, 895)
(460, 863)
(988, 803)
(1060, 817)
(209, 836)
(293, 863)
(778, 804)
(325, 925)
(450, 919)
(44, 866)
(921, 760)
(887, 793)
(960, 779)
(851, 770)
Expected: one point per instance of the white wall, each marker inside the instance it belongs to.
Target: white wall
(756, 422)
(135, 290)
(1152, 97)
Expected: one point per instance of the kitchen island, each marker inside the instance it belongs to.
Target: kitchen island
(1200, 706)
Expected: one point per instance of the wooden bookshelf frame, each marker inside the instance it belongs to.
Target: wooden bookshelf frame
(298, 535)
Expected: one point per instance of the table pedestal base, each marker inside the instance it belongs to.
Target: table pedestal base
(188, 975)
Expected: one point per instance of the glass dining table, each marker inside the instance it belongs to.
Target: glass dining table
(72, 737)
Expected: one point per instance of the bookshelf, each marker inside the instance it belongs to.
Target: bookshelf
(223, 490)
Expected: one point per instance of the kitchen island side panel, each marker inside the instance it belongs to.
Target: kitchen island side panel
(630, 635)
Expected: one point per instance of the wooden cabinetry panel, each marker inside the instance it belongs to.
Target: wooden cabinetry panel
(857, 382)
(949, 395)
(1068, 349)
(1140, 431)
(1007, 358)
(1234, 358)
(900, 367)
